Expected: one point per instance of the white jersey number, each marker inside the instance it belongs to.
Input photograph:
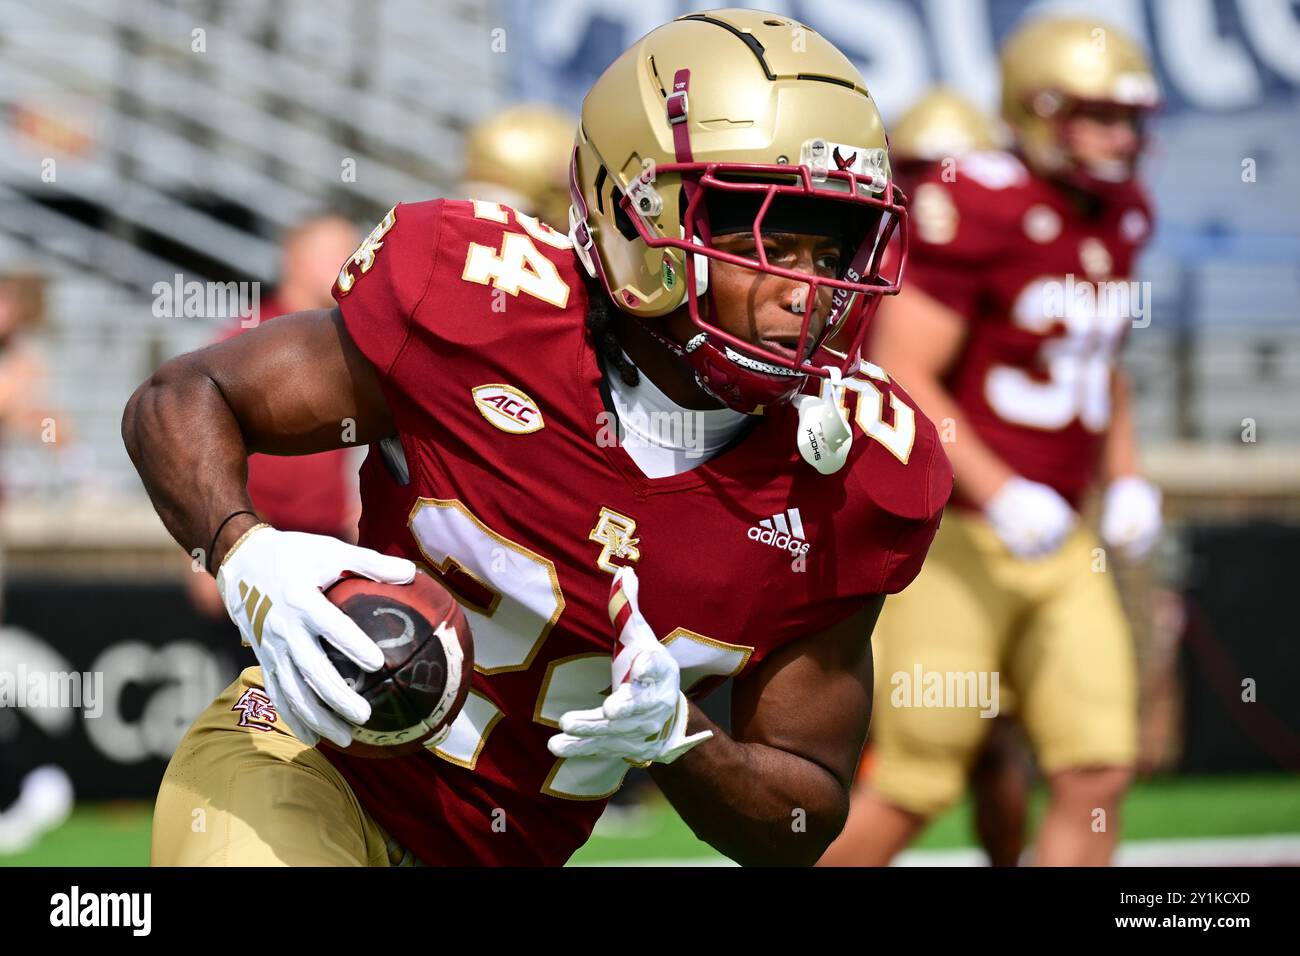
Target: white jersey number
(899, 437)
(1079, 363)
(519, 265)
(509, 631)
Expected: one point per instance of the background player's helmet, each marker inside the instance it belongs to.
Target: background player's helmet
(1054, 64)
(942, 124)
(520, 157)
(730, 121)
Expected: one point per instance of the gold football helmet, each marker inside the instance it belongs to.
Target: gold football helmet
(1053, 65)
(940, 124)
(520, 157)
(730, 121)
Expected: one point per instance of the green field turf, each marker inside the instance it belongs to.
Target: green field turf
(1203, 807)
(117, 834)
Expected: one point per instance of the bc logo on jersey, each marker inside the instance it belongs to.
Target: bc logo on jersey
(614, 532)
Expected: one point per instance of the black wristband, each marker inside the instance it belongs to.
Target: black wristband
(207, 561)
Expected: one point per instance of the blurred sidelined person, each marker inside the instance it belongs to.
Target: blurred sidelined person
(32, 801)
(1008, 334)
(519, 157)
(24, 373)
(312, 493)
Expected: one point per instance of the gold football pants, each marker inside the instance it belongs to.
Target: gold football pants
(1053, 632)
(241, 790)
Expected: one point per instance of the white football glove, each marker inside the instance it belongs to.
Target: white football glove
(1031, 519)
(1130, 517)
(271, 584)
(644, 719)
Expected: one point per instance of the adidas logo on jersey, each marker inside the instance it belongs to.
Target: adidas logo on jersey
(784, 531)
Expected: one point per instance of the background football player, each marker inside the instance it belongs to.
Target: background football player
(764, 542)
(519, 158)
(1021, 375)
(941, 125)
(927, 139)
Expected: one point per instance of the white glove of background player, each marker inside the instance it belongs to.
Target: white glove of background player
(1130, 517)
(271, 585)
(1031, 519)
(644, 719)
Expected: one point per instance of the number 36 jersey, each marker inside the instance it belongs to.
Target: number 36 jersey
(518, 497)
(1046, 295)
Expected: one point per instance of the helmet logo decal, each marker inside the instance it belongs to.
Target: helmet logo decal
(860, 161)
(669, 274)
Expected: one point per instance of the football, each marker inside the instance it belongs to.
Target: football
(428, 661)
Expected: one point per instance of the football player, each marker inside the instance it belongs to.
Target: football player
(928, 138)
(783, 491)
(1009, 334)
(519, 157)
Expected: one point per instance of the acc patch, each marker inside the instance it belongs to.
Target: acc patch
(508, 408)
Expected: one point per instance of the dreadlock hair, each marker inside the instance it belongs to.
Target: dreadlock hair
(602, 326)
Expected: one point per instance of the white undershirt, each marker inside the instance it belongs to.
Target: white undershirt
(662, 437)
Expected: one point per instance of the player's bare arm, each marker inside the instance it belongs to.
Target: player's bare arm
(776, 791)
(1121, 449)
(294, 386)
(286, 388)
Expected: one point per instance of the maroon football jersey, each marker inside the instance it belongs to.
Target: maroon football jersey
(1046, 294)
(520, 499)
